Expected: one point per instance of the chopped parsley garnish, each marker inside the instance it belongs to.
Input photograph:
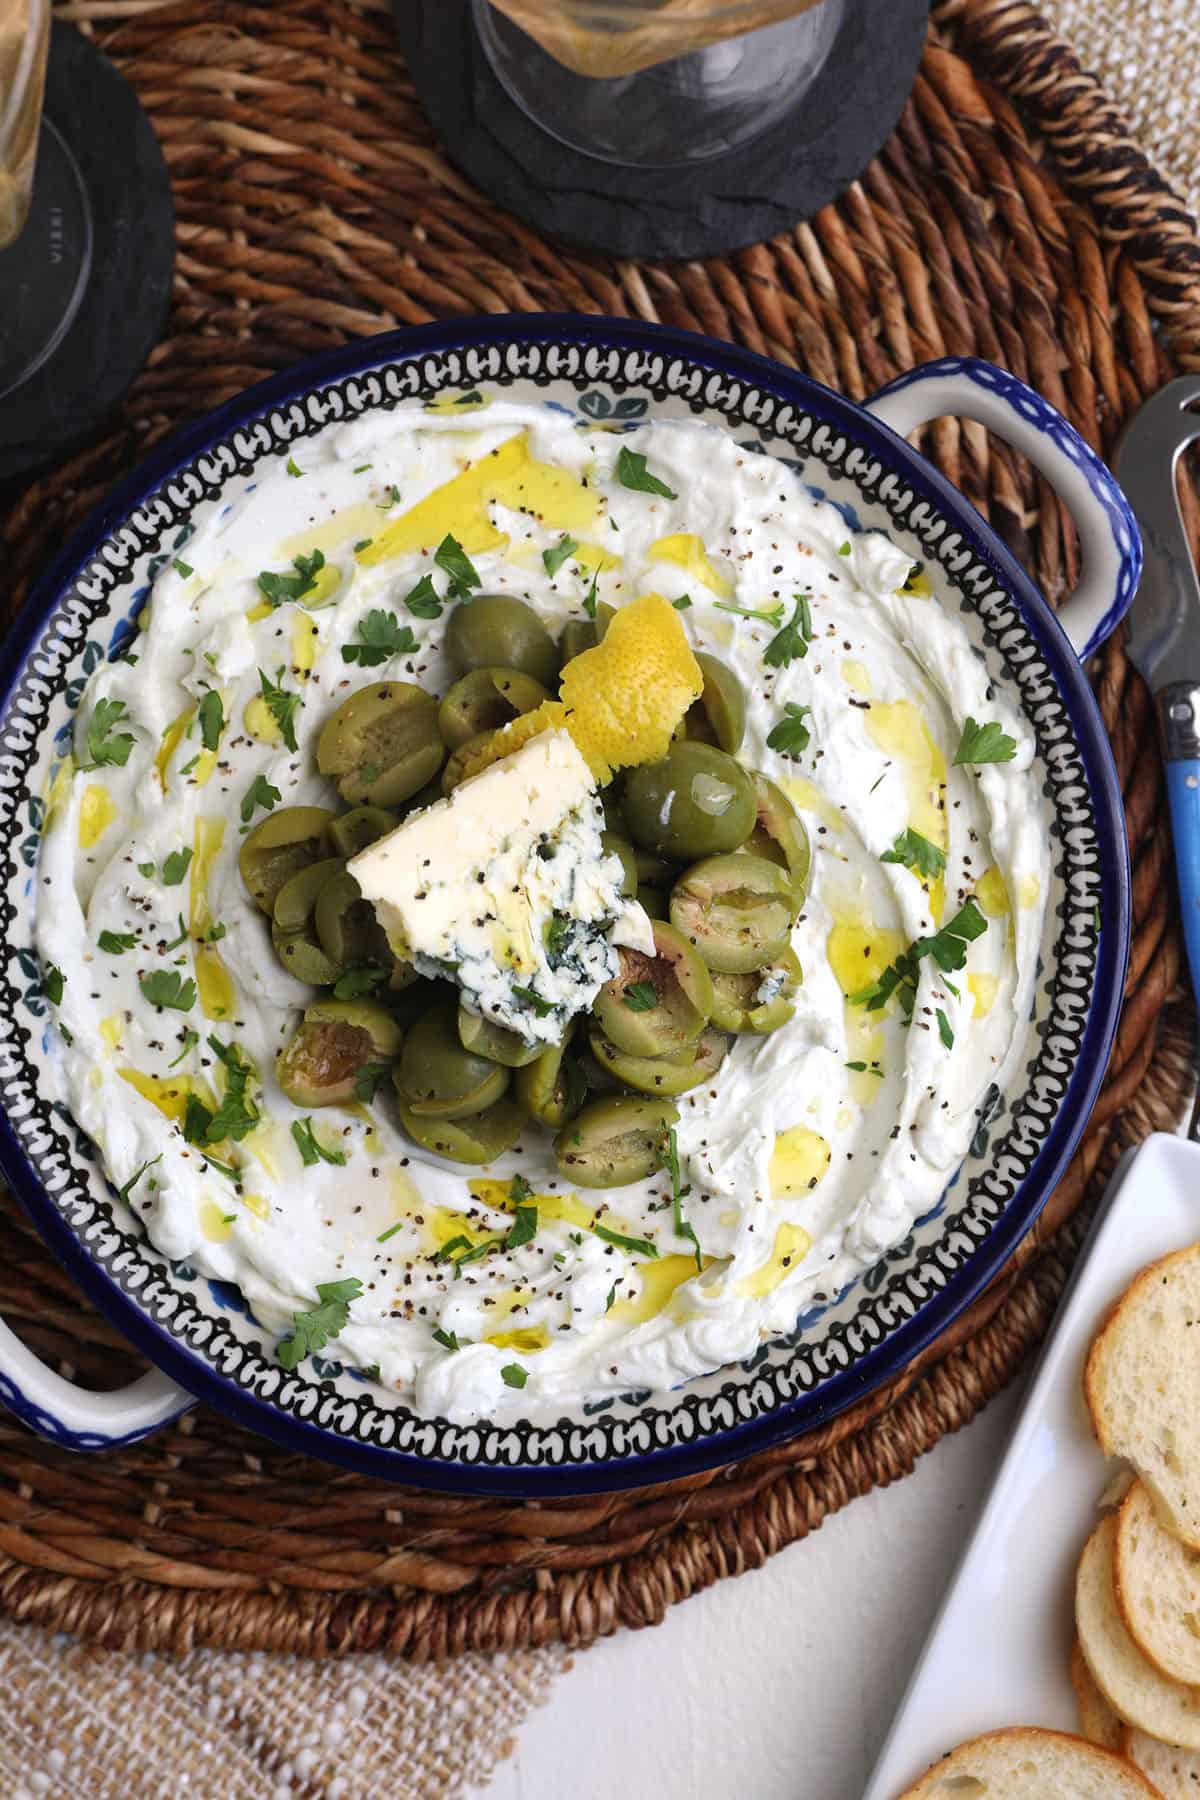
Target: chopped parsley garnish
(278, 588)
(363, 544)
(363, 979)
(367, 1080)
(794, 639)
(390, 1232)
(541, 1007)
(523, 1228)
(313, 1330)
(53, 980)
(453, 559)
(558, 930)
(380, 636)
(912, 851)
(106, 746)
(519, 1190)
(212, 719)
(149, 870)
(791, 736)
(948, 947)
(123, 1193)
(555, 558)
(641, 1245)
(633, 473)
(214, 934)
(181, 938)
(166, 987)
(589, 599)
(641, 996)
(292, 467)
(114, 943)
(190, 1040)
(513, 1375)
(189, 766)
(862, 1068)
(668, 1159)
(391, 495)
(446, 1339)
(175, 866)
(282, 707)
(988, 743)
(424, 600)
(769, 615)
(196, 1121)
(311, 1149)
(612, 1294)
(182, 568)
(683, 602)
(945, 1029)
(844, 549)
(261, 792)
(236, 1115)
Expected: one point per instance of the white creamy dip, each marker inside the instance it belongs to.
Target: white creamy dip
(811, 1150)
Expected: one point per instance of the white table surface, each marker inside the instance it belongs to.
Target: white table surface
(779, 1684)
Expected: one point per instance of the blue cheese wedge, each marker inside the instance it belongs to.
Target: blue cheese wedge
(506, 889)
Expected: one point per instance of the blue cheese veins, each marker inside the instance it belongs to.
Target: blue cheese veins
(506, 889)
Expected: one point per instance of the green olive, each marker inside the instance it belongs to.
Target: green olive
(476, 1138)
(457, 761)
(346, 926)
(780, 834)
(484, 700)
(654, 900)
(483, 1037)
(382, 743)
(423, 797)
(553, 1088)
(498, 631)
(280, 847)
(675, 1074)
(737, 1007)
(719, 715)
(335, 1042)
(437, 1078)
(576, 636)
(622, 848)
(614, 1141)
(302, 956)
(696, 802)
(736, 910)
(659, 871)
(656, 1004)
(352, 831)
(296, 899)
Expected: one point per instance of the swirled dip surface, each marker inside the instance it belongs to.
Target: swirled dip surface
(808, 1153)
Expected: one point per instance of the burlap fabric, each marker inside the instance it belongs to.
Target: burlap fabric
(312, 205)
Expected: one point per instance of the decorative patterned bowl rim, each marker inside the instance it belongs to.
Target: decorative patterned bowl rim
(887, 1359)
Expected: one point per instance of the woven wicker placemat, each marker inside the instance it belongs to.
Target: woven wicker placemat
(1010, 217)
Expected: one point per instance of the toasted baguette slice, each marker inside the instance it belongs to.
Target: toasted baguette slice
(1133, 1687)
(1099, 1722)
(1030, 1764)
(1175, 1773)
(1158, 1588)
(1142, 1386)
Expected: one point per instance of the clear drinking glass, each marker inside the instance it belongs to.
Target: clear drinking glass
(24, 41)
(657, 82)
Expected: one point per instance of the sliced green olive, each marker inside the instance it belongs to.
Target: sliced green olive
(303, 957)
(382, 743)
(654, 900)
(576, 636)
(780, 833)
(336, 1040)
(457, 762)
(280, 847)
(476, 1138)
(483, 1037)
(696, 802)
(553, 1088)
(622, 848)
(346, 927)
(484, 700)
(614, 1141)
(498, 631)
(437, 1078)
(352, 831)
(736, 1003)
(656, 1004)
(660, 871)
(736, 910)
(719, 715)
(675, 1074)
(297, 897)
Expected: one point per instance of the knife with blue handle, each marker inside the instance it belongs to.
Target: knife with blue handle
(1164, 620)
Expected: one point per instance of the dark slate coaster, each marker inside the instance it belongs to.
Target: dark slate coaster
(98, 254)
(799, 165)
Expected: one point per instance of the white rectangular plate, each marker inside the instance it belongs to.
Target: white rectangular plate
(998, 1651)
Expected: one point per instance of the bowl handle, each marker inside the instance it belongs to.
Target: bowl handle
(71, 1416)
(967, 388)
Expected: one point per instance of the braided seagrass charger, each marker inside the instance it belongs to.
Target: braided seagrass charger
(1010, 217)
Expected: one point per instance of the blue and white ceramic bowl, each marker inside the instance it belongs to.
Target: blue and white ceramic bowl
(198, 1332)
